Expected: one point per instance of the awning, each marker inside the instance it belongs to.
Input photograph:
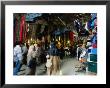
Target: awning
(31, 16)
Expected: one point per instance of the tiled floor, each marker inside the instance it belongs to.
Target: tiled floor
(67, 68)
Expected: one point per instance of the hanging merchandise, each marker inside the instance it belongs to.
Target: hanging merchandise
(93, 18)
(95, 23)
(15, 29)
(86, 26)
(93, 15)
(21, 28)
(94, 45)
(77, 25)
(94, 38)
(71, 37)
(27, 26)
(89, 24)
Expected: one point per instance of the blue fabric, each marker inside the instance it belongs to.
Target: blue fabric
(92, 24)
(93, 39)
(94, 51)
(17, 67)
(89, 24)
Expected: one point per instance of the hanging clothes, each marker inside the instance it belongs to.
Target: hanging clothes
(22, 27)
(86, 26)
(94, 38)
(93, 23)
(15, 29)
(71, 36)
(89, 24)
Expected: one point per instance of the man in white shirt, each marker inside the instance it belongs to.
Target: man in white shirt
(17, 58)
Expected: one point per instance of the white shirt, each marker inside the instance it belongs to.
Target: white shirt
(17, 53)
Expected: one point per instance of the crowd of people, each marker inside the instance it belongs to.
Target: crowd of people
(34, 54)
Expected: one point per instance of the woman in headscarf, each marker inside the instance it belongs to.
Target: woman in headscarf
(54, 56)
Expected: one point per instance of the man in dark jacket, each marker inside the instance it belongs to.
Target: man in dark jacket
(53, 49)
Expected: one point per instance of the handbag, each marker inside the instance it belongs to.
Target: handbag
(82, 60)
(49, 63)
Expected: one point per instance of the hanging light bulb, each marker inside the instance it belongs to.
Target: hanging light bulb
(28, 41)
(68, 41)
(31, 39)
(59, 38)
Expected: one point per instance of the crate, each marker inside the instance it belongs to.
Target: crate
(93, 57)
(92, 67)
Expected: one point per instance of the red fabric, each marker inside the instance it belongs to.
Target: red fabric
(94, 45)
(71, 36)
(21, 28)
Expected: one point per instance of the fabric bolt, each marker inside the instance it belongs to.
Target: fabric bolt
(22, 27)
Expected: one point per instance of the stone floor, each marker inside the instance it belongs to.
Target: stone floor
(68, 67)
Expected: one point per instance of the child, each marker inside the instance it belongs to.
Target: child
(48, 65)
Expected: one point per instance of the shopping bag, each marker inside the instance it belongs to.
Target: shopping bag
(82, 60)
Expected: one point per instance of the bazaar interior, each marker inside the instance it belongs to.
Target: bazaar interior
(74, 38)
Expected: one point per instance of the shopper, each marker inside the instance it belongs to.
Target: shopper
(49, 64)
(17, 58)
(29, 55)
(31, 61)
(54, 56)
(40, 54)
(79, 50)
(84, 54)
(24, 53)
